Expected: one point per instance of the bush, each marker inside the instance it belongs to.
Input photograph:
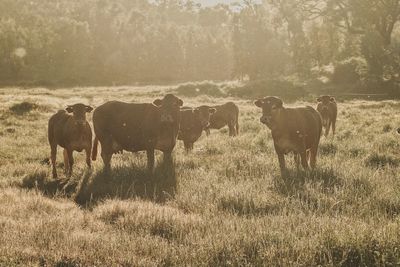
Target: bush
(351, 70)
(196, 89)
(24, 107)
(286, 90)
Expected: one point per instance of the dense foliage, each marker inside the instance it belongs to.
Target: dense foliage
(70, 42)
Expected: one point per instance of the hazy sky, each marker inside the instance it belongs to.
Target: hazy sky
(214, 2)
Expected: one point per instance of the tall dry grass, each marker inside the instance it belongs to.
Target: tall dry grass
(224, 204)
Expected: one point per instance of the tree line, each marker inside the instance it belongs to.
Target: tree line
(101, 42)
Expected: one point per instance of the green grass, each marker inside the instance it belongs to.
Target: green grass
(224, 204)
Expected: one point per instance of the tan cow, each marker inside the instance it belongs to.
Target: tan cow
(295, 130)
(226, 114)
(193, 122)
(137, 127)
(327, 108)
(72, 132)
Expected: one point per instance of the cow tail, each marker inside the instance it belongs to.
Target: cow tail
(94, 150)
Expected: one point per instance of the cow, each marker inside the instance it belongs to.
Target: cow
(295, 130)
(71, 132)
(327, 108)
(193, 122)
(134, 127)
(226, 114)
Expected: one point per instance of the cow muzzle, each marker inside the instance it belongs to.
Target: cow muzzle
(80, 123)
(265, 120)
(205, 124)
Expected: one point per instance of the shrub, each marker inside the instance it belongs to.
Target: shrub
(24, 107)
(286, 90)
(196, 89)
(351, 70)
(387, 128)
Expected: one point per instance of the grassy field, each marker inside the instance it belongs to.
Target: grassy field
(225, 204)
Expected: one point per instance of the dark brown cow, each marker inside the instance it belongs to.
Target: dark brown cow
(72, 132)
(295, 130)
(193, 122)
(327, 108)
(137, 127)
(226, 114)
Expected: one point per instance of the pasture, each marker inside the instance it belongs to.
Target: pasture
(224, 204)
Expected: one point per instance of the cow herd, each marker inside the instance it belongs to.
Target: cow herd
(134, 127)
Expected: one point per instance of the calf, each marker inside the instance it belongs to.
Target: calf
(137, 127)
(327, 108)
(226, 114)
(295, 130)
(193, 122)
(71, 132)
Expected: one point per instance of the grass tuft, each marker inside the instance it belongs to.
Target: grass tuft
(23, 108)
(376, 160)
(327, 149)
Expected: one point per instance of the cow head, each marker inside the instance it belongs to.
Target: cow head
(169, 108)
(203, 114)
(326, 99)
(323, 107)
(79, 113)
(271, 106)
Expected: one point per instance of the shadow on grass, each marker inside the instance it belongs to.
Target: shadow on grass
(128, 182)
(123, 182)
(293, 181)
(51, 188)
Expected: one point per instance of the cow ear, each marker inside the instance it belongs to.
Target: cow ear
(332, 99)
(157, 102)
(212, 110)
(180, 102)
(318, 99)
(259, 103)
(88, 109)
(69, 109)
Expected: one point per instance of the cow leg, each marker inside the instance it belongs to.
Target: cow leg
(237, 127)
(313, 156)
(296, 157)
(66, 161)
(168, 157)
(207, 131)
(232, 129)
(327, 129)
(71, 161)
(53, 160)
(333, 127)
(106, 156)
(281, 158)
(88, 151)
(303, 156)
(150, 160)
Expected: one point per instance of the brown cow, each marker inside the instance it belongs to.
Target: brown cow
(295, 130)
(137, 127)
(193, 122)
(226, 114)
(72, 132)
(327, 108)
